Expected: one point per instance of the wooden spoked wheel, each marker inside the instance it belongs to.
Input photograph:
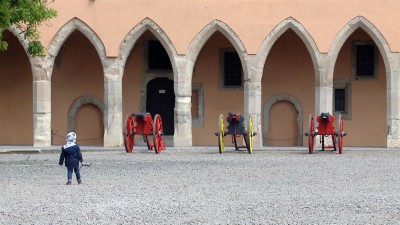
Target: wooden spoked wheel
(158, 132)
(129, 136)
(311, 137)
(221, 144)
(250, 135)
(341, 134)
(146, 138)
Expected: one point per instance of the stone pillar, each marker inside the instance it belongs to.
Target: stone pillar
(252, 107)
(183, 102)
(393, 102)
(113, 118)
(252, 97)
(324, 87)
(41, 101)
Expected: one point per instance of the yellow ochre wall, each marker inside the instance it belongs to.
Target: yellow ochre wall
(16, 118)
(252, 20)
(288, 70)
(367, 126)
(79, 73)
(216, 99)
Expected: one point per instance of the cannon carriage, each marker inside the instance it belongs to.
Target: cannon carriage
(143, 124)
(235, 128)
(326, 129)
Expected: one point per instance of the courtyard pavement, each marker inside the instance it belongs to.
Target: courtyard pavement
(200, 186)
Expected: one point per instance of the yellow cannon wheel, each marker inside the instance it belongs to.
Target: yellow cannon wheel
(221, 133)
(250, 135)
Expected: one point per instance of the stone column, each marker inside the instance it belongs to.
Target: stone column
(183, 102)
(41, 70)
(393, 102)
(252, 98)
(113, 118)
(324, 86)
(252, 107)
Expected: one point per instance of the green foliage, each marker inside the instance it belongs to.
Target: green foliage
(27, 15)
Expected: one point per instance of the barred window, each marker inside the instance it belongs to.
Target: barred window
(232, 69)
(340, 100)
(365, 60)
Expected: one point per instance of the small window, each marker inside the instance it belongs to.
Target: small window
(157, 56)
(342, 98)
(197, 105)
(231, 69)
(365, 60)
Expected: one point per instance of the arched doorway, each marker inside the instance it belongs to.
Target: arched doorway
(283, 121)
(282, 125)
(160, 99)
(89, 125)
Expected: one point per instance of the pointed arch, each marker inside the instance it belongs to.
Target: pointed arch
(133, 36)
(281, 28)
(371, 30)
(65, 31)
(202, 37)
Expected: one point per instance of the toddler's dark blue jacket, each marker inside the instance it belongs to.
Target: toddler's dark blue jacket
(72, 156)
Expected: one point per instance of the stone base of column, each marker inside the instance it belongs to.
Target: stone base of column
(113, 140)
(42, 130)
(185, 141)
(393, 143)
(393, 139)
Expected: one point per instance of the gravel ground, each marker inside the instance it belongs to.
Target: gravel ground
(204, 187)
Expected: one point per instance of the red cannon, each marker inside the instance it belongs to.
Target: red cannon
(235, 128)
(325, 129)
(143, 124)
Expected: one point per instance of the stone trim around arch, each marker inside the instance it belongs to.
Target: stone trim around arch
(370, 29)
(283, 97)
(18, 33)
(65, 31)
(202, 37)
(274, 35)
(80, 101)
(133, 36)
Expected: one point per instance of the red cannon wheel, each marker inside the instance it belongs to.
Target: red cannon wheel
(158, 133)
(129, 139)
(146, 138)
(341, 134)
(311, 136)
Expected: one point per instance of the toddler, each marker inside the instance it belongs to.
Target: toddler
(72, 155)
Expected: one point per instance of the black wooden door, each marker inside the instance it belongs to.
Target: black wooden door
(161, 100)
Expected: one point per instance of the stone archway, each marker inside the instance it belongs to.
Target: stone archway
(391, 68)
(71, 120)
(283, 97)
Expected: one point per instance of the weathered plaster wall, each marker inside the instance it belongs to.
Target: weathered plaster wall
(251, 20)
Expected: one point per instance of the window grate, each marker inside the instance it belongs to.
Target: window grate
(340, 100)
(365, 61)
(232, 70)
